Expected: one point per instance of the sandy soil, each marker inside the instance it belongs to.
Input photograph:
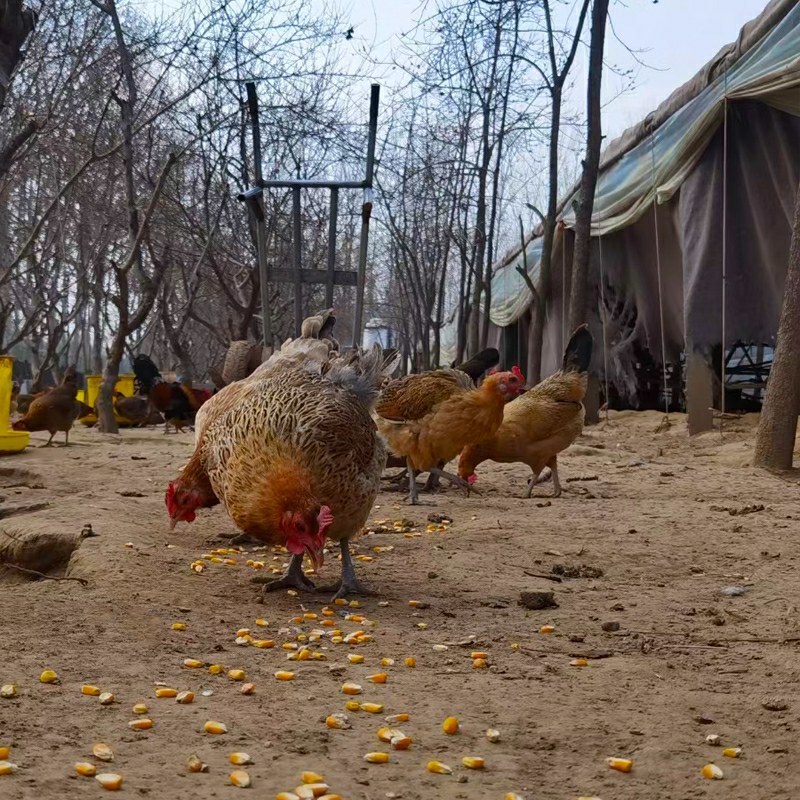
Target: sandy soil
(649, 508)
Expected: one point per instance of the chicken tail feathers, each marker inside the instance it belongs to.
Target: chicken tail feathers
(362, 372)
(578, 354)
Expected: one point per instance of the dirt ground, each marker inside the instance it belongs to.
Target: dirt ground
(669, 521)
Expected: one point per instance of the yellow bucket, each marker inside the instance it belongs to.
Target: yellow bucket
(124, 385)
(10, 441)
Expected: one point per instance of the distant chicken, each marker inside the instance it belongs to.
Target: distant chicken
(292, 453)
(54, 410)
(542, 422)
(429, 418)
(178, 402)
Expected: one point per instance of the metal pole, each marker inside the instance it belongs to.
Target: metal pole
(334, 213)
(366, 212)
(260, 221)
(298, 255)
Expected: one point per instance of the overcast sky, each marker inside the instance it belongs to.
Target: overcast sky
(674, 37)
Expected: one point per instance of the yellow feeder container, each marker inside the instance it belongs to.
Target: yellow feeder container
(10, 441)
(124, 385)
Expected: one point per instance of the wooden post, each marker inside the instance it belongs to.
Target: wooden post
(699, 391)
(334, 213)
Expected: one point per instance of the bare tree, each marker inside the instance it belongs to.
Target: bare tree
(777, 427)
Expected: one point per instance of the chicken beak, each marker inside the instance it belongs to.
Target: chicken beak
(316, 557)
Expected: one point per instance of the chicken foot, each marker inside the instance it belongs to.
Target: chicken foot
(541, 477)
(349, 583)
(454, 479)
(294, 578)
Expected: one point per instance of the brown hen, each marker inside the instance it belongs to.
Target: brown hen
(292, 453)
(54, 410)
(429, 418)
(542, 422)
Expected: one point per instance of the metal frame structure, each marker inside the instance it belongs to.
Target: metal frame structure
(254, 200)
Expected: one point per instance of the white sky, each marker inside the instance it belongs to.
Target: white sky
(674, 37)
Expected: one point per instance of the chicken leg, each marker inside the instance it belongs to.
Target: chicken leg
(349, 583)
(294, 578)
(551, 471)
(412, 484)
(454, 479)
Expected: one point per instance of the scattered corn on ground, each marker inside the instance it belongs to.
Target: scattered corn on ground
(434, 734)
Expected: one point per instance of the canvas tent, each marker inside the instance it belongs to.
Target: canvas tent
(662, 262)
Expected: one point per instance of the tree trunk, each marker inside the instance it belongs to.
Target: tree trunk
(107, 422)
(778, 426)
(591, 166)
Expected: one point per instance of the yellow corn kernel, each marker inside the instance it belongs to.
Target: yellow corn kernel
(450, 725)
(286, 796)
(110, 781)
(310, 615)
(215, 560)
(400, 741)
(215, 669)
(493, 735)
(282, 675)
(103, 752)
(354, 618)
(86, 769)
(248, 688)
(8, 690)
(395, 718)
(304, 654)
(386, 733)
(473, 762)
(261, 622)
(231, 562)
(141, 724)
(311, 777)
(215, 727)
(337, 721)
(337, 639)
(263, 643)
(372, 708)
(330, 797)
(163, 691)
(239, 777)
(179, 626)
(415, 603)
(378, 677)
(106, 698)
(328, 612)
(243, 632)
(5, 752)
(410, 662)
(620, 764)
(329, 623)
(353, 705)
(353, 658)
(140, 708)
(319, 657)
(240, 759)
(340, 601)
(478, 654)
(236, 674)
(192, 663)
(309, 791)
(289, 646)
(387, 662)
(184, 698)
(351, 688)
(301, 637)
(732, 752)
(376, 758)
(194, 764)
(579, 662)
(243, 641)
(48, 676)
(355, 604)
(439, 768)
(480, 663)
(7, 768)
(547, 629)
(92, 691)
(515, 796)
(712, 772)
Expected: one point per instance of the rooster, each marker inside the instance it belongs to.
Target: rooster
(54, 410)
(429, 418)
(542, 422)
(293, 455)
(178, 402)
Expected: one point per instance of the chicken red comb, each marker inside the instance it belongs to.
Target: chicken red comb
(518, 372)
(324, 518)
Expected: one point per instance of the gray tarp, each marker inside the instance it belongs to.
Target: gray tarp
(762, 70)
